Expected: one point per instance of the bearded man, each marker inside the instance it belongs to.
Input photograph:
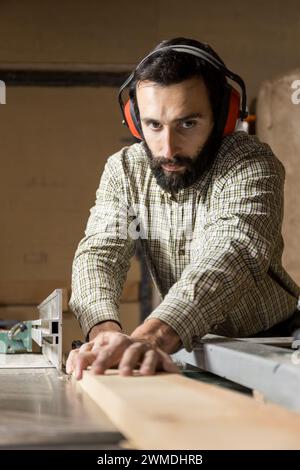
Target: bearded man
(206, 202)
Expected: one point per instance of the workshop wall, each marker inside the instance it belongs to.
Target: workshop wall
(55, 140)
(278, 124)
(54, 145)
(258, 39)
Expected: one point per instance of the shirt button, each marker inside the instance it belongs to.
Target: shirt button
(181, 251)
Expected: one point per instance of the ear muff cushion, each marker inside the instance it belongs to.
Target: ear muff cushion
(233, 112)
(131, 120)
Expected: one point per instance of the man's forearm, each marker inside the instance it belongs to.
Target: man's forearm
(159, 334)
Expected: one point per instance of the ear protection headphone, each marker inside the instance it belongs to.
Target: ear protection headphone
(233, 108)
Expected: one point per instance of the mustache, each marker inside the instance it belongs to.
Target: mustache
(181, 160)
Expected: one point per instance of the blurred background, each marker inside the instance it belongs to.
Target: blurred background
(62, 62)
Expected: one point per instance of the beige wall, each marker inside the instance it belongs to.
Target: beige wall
(258, 39)
(279, 125)
(54, 144)
(55, 141)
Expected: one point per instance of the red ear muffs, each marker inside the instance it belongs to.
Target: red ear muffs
(233, 112)
(131, 120)
(233, 106)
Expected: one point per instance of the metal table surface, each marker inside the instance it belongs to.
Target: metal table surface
(43, 408)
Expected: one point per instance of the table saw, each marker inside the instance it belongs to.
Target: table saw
(43, 408)
(40, 406)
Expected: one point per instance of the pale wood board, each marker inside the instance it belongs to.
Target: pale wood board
(169, 411)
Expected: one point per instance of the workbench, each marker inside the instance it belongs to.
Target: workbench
(44, 408)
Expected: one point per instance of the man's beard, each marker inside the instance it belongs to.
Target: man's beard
(194, 166)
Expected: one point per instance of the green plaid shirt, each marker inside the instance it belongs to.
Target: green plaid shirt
(214, 250)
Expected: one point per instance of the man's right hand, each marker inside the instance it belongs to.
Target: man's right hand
(110, 348)
(103, 352)
(78, 359)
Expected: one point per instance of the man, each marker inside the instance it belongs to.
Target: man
(207, 205)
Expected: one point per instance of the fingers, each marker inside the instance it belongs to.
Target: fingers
(105, 358)
(109, 356)
(80, 359)
(167, 364)
(85, 347)
(157, 360)
(150, 360)
(83, 360)
(149, 364)
(102, 353)
(132, 357)
(108, 351)
(70, 364)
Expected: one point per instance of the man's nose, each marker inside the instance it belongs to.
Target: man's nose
(169, 144)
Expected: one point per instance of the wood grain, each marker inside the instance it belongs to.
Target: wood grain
(169, 411)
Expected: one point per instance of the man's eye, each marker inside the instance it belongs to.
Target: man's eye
(154, 125)
(188, 124)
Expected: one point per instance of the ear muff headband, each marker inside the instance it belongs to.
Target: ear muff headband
(236, 104)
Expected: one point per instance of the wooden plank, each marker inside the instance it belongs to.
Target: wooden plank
(168, 411)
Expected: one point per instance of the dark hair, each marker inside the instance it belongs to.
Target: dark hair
(168, 67)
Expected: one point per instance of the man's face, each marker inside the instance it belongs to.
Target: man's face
(177, 121)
